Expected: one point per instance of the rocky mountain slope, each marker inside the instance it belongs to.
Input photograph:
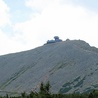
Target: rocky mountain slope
(70, 66)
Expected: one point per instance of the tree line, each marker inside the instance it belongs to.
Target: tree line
(44, 92)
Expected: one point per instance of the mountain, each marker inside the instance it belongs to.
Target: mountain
(70, 66)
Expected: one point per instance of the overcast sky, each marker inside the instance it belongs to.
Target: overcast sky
(26, 24)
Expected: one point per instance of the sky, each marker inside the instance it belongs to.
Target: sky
(27, 24)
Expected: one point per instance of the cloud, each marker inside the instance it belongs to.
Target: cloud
(4, 14)
(51, 17)
(7, 44)
(38, 5)
(56, 18)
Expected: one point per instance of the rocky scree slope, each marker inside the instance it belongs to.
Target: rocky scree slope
(70, 66)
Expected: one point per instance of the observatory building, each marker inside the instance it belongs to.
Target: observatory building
(56, 39)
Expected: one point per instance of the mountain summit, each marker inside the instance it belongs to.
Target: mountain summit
(70, 66)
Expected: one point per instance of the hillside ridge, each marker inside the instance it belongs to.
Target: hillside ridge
(70, 66)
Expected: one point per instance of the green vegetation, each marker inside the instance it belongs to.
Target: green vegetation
(65, 90)
(77, 82)
(44, 92)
